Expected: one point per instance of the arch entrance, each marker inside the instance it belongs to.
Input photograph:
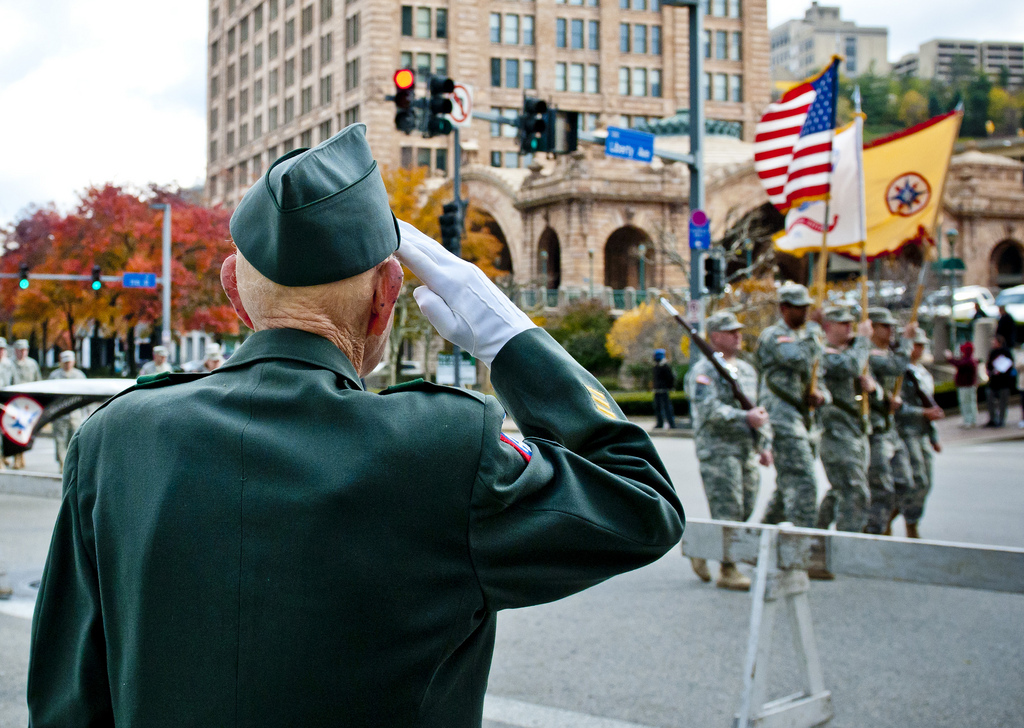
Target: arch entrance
(1006, 264)
(623, 266)
(549, 260)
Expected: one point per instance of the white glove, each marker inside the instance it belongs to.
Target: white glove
(458, 299)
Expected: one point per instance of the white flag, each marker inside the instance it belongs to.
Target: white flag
(847, 226)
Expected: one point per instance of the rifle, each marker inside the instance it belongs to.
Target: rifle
(713, 356)
(926, 399)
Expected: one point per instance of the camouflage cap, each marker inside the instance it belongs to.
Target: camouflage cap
(794, 294)
(920, 337)
(722, 321)
(3, 342)
(161, 350)
(67, 355)
(21, 344)
(879, 315)
(213, 353)
(839, 314)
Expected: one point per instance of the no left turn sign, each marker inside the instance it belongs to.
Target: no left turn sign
(462, 105)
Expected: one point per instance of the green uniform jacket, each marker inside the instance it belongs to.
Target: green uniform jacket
(310, 554)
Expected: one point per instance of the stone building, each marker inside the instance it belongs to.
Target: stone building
(802, 47)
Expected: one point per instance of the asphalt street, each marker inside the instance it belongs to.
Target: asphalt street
(657, 648)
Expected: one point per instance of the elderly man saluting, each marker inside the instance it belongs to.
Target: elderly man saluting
(324, 555)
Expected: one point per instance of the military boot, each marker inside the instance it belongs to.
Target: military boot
(729, 577)
(700, 568)
(912, 531)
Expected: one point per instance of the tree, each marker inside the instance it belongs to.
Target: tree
(637, 333)
(976, 105)
(961, 70)
(913, 108)
(1004, 77)
(582, 328)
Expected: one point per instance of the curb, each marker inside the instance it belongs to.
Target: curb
(21, 482)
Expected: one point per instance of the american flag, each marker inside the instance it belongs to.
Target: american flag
(793, 141)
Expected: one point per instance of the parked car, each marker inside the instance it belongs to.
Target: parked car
(891, 294)
(936, 303)
(1013, 300)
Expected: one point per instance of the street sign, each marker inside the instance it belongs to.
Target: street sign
(700, 230)
(462, 105)
(629, 144)
(139, 280)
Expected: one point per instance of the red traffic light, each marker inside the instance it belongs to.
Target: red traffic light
(405, 78)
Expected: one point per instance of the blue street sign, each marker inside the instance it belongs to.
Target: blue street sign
(629, 144)
(700, 231)
(138, 280)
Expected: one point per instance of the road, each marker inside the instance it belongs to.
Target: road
(657, 648)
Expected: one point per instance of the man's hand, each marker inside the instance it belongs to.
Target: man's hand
(868, 384)
(934, 413)
(909, 330)
(895, 404)
(757, 417)
(766, 458)
(458, 299)
(815, 398)
(937, 446)
(948, 354)
(865, 329)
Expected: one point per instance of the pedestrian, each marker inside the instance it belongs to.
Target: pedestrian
(730, 440)
(785, 359)
(6, 365)
(64, 427)
(26, 370)
(664, 382)
(1007, 328)
(295, 550)
(1001, 378)
(213, 357)
(966, 381)
(915, 423)
(844, 440)
(159, 363)
(888, 464)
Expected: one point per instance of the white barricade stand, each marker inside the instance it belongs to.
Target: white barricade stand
(783, 554)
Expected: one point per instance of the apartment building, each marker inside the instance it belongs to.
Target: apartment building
(802, 47)
(284, 74)
(935, 59)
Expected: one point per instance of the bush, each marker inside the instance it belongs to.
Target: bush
(642, 403)
(582, 329)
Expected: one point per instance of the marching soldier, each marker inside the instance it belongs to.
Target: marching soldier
(730, 441)
(158, 365)
(786, 356)
(6, 365)
(64, 427)
(915, 423)
(844, 440)
(887, 452)
(26, 369)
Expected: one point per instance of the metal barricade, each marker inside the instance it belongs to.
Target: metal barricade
(783, 554)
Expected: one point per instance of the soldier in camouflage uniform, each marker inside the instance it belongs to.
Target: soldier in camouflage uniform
(786, 355)
(844, 439)
(730, 440)
(915, 423)
(888, 456)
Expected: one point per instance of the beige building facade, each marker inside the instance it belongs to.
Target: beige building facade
(934, 60)
(802, 47)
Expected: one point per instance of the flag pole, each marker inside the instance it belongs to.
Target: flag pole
(865, 404)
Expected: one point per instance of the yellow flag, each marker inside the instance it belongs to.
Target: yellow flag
(904, 178)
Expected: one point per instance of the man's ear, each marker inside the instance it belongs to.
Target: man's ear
(229, 281)
(386, 288)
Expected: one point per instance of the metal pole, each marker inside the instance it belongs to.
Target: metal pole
(697, 152)
(165, 337)
(457, 183)
(641, 277)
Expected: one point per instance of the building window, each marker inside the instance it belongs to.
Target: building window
(231, 110)
(441, 23)
(229, 180)
(215, 17)
(214, 52)
(272, 118)
(214, 87)
(441, 64)
(639, 4)
(576, 34)
(495, 27)
(325, 130)
(272, 84)
(511, 73)
(639, 38)
(495, 127)
(707, 44)
(243, 30)
(287, 145)
(423, 64)
(406, 158)
(559, 77)
(351, 115)
(307, 20)
(306, 139)
(719, 7)
(257, 57)
(422, 22)
(289, 109)
(593, 79)
(721, 90)
(231, 41)
(272, 8)
(257, 19)
(352, 74)
(623, 4)
(405, 60)
(307, 60)
(721, 45)
(529, 73)
(656, 5)
(257, 126)
(289, 34)
(213, 180)
(656, 40)
(734, 8)
(423, 157)
(623, 37)
(511, 160)
(560, 32)
(243, 101)
(588, 122)
(576, 77)
(243, 135)
(736, 88)
(656, 82)
(528, 30)
(352, 31)
(407, 20)
(326, 10)
(231, 76)
(736, 47)
(495, 159)
(289, 72)
(326, 48)
(594, 35)
(623, 82)
(213, 120)
(307, 100)
(495, 72)
(512, 29)
(272, 45)
(639, 85)
(229, 144)
(441, 160)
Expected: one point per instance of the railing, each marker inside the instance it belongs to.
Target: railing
(624, 299)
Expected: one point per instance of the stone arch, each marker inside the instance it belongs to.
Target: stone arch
(494, 196)
(485, 222)
(622, 259)
(549, 259)
(1006, 264)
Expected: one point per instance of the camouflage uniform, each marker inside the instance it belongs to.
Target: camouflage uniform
(785, 358)
(918, 435)
(64, 427)
(726, 447)
(6, 366)
(888, 455)
(844, 440)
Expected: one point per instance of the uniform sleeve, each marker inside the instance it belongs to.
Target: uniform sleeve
(593, 500)
(708, 395)
(67, 676)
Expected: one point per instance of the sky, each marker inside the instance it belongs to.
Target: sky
(97, 91)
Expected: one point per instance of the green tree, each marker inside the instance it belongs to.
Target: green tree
(961, 71)
(583, 329)
(1004, 77)
(913, 108)
(976, 105)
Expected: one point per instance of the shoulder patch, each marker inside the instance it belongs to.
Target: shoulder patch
(421, 385)
(703, 379)
(601, 402)
(521, 447)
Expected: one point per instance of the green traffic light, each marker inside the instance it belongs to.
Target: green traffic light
(96, 285)
(534, 143)
(23, 283)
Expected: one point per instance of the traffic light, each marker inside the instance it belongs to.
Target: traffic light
(97, 284)
(405, 98)
(23, 271)
(533, 125)
(439, 105)
(451, 228)
(714, 275)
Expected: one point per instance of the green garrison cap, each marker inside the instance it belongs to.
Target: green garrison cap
(318, 215)
(879, 315)
(794, 294)
(839, 314)
(722, 321)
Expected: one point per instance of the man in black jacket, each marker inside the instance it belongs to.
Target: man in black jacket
(664, 382)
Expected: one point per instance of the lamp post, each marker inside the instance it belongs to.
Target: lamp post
(590, 253)
(165, 336)
(951, 235)
(641, 278)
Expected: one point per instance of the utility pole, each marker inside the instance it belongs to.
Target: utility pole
(165, 336)
(457, 183)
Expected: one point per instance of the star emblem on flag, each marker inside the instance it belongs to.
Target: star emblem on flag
(907, 194)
